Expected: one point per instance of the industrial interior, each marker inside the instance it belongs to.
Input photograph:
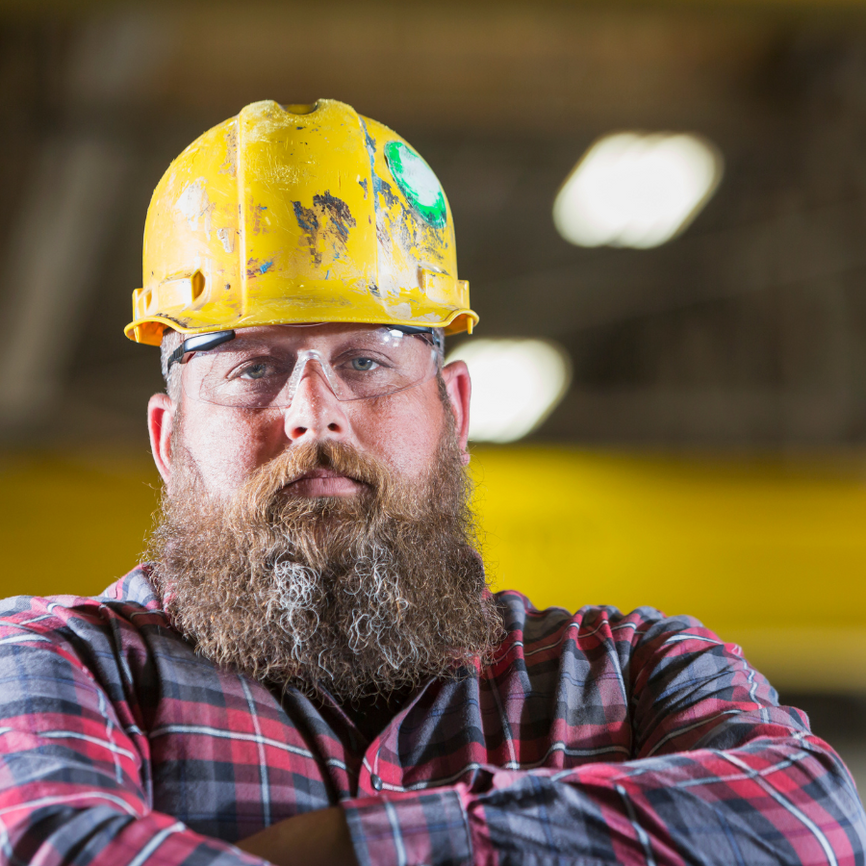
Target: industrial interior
(702, 448)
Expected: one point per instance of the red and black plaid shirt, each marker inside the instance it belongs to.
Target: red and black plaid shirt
(594, 738)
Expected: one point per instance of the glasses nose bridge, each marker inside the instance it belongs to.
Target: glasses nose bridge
(304, 357)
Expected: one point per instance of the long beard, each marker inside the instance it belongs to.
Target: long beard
(356, 596)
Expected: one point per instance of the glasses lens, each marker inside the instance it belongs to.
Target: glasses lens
(357, 365)
(381, 362)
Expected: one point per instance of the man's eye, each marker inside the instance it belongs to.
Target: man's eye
(254, 371)
(363, 365)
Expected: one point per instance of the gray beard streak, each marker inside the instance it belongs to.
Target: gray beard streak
(299, 592)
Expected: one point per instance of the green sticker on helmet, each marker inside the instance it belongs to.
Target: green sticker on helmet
(418, 183)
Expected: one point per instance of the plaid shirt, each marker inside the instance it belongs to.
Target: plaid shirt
(593, 738)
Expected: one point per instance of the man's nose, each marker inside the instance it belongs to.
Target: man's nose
(315, 413)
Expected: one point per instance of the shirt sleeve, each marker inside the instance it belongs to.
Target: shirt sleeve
(721, 775)
(74, 773)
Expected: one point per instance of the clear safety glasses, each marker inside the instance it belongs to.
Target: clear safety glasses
(233, 369)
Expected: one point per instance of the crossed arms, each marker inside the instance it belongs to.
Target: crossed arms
(694, 762)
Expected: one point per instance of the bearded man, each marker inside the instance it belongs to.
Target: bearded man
(310, 668)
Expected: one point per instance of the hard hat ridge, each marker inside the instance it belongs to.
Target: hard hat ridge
(298, 214)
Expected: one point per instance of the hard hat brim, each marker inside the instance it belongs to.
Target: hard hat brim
(150, 330)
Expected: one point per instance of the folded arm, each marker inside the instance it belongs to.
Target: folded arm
(74, 780)
(722, 775)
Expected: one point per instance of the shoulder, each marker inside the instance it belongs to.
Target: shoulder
(681, 680)
(128, 603)
(604, 621)
(639, 638)
(114, 641)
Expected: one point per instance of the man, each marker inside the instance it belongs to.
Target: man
(311, 669)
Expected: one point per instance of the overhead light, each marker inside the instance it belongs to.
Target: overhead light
(637, 190)
(515, 385)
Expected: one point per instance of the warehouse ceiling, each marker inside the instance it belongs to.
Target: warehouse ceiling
(747, 331)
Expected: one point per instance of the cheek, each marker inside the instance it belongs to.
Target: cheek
(228, 449)
(403, 430)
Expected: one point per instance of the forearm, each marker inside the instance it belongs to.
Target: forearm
(318, 838)
(101, 836)
(774, 801)
(771, 802)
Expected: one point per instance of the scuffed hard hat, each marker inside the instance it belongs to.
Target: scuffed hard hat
(298, 214)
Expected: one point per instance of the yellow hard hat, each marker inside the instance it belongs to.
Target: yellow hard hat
(298, 214)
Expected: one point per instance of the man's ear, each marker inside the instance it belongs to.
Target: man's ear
(160, 419)
(459, 388)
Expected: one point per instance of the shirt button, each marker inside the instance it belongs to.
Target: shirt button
(376, 782)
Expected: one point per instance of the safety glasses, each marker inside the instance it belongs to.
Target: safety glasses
(264, 372)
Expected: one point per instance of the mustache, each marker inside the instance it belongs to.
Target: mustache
(261, 491)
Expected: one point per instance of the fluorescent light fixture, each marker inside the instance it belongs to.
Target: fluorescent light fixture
(515, 385)
(637, 190)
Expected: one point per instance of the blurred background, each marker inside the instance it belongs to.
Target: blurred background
(705, 449)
